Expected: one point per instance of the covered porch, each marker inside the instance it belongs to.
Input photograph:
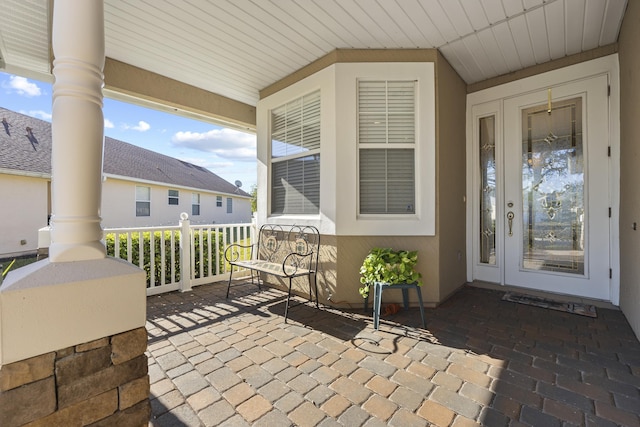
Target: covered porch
(480, 361)
(212, 362)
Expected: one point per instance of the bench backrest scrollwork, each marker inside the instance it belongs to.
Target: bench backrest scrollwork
(276, 242)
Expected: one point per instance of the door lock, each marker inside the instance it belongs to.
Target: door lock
(510, 217)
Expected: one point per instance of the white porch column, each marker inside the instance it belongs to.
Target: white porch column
(77, 299)
(77, 129)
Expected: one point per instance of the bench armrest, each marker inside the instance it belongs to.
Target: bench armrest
(233, 251)
(295, 260)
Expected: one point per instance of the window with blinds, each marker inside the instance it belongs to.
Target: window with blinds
(195, 204)
(143, 201)
(295, 156)
(174, 197)
(386, 146)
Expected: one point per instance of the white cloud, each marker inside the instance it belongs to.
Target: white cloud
(108, 124)
(224, 143)
(142, 126)
(38, 114)
(22, 86)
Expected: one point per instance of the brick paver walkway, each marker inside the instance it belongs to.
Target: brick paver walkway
(481, 361)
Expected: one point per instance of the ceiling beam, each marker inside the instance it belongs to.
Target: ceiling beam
(132, 84)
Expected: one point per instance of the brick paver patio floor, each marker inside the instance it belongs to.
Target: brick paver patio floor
(480, 361)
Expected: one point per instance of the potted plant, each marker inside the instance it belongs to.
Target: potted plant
(386, 265)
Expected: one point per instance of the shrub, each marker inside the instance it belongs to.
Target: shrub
(146, 264)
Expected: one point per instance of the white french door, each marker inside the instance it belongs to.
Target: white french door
(541, 190)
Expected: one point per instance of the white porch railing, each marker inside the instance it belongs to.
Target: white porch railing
(161, 252)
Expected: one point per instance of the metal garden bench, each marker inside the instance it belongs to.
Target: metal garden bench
(284, 251)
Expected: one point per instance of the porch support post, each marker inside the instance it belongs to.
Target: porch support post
(72, 326)
(77, 129)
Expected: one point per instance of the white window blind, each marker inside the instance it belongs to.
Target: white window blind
(174, 197)
(386, 146)
(143, 201)
(195, 204)
(295, 156)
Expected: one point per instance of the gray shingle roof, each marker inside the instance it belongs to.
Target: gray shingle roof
(25, 145)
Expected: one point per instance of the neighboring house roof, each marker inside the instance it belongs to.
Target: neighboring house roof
(25, 146)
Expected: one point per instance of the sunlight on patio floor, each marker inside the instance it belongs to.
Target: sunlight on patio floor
(480, 361)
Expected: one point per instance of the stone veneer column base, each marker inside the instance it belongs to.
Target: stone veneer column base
(99, 383)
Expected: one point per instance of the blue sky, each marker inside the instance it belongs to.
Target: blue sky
(226, 152)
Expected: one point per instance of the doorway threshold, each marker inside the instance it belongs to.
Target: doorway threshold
(543, 294)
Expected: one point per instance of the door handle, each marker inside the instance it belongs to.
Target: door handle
(510, 217)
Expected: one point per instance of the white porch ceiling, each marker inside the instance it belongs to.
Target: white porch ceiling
(235, 48)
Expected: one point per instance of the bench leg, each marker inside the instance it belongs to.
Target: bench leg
(257, 273)
(229, 284)
(286, 307)
(255, 280)
(315, 288)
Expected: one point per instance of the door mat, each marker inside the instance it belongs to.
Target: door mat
(568, 307)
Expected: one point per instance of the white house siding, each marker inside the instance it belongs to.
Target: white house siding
(119, 206)
(23, 210)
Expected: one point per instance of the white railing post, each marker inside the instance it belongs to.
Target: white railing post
(185, 253)
(254, 233)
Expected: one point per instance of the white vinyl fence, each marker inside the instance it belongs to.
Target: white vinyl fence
(161, 252)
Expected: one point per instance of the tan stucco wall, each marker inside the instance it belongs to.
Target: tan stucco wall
(21, 216)
(451, 178)
(629, 161)
(351, 251)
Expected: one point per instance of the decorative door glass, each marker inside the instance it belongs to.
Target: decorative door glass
(487, 139)
(553, 188)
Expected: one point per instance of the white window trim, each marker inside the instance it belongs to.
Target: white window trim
(169, 197)
(315, 152)
(146, 201)
(195, 204)
(422, 222)
(323, 80)
(384, 146)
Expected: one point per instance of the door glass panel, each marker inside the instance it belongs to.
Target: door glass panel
(553, 214)
(487, 190)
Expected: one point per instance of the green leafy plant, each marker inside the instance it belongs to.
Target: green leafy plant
(388, 266)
